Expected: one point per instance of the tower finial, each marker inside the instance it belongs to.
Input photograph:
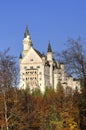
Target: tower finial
(26, 32)
(49, 47)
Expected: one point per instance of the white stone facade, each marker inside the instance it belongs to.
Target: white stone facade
(39, 70)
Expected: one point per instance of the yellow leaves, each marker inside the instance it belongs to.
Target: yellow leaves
(57, 125)
(72, 124)
(68, 119)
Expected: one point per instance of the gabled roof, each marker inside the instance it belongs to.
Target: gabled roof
(39, 53)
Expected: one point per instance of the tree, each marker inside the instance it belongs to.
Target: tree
(74, 58)
(8, 78)
(60, 95)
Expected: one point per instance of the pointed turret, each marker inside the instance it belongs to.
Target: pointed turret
(50, 61)
(26, 32)
(27, 43)
(49, 48)
(49, 53)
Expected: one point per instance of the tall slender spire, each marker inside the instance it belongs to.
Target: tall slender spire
(26, 32)
(27, 43)
(49, 47)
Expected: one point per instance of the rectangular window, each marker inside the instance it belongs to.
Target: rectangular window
(25, 67)
(38, 66)
(31, 67)
(31, 59)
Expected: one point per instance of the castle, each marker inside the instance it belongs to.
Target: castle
(39, 70)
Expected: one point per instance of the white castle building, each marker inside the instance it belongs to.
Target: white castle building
(39, 70)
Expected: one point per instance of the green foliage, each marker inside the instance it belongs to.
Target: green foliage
(36, 92)
(60, 89)
(49, 91)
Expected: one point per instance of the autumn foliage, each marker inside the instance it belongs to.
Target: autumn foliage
(53, 110)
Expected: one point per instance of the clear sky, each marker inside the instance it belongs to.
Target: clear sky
(54, 20)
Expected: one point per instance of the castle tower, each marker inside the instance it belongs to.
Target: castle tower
(49, 53)
(50, 59)
(27, 43)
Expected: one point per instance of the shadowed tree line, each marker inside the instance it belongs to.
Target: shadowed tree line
(55, 109)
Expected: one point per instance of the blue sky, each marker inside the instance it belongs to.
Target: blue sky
(54, 20)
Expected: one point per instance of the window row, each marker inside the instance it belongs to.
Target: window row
(32, 67)
(31, 78)
(30, 72)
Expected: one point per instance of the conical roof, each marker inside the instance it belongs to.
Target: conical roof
(26, 32)
(49, 48)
